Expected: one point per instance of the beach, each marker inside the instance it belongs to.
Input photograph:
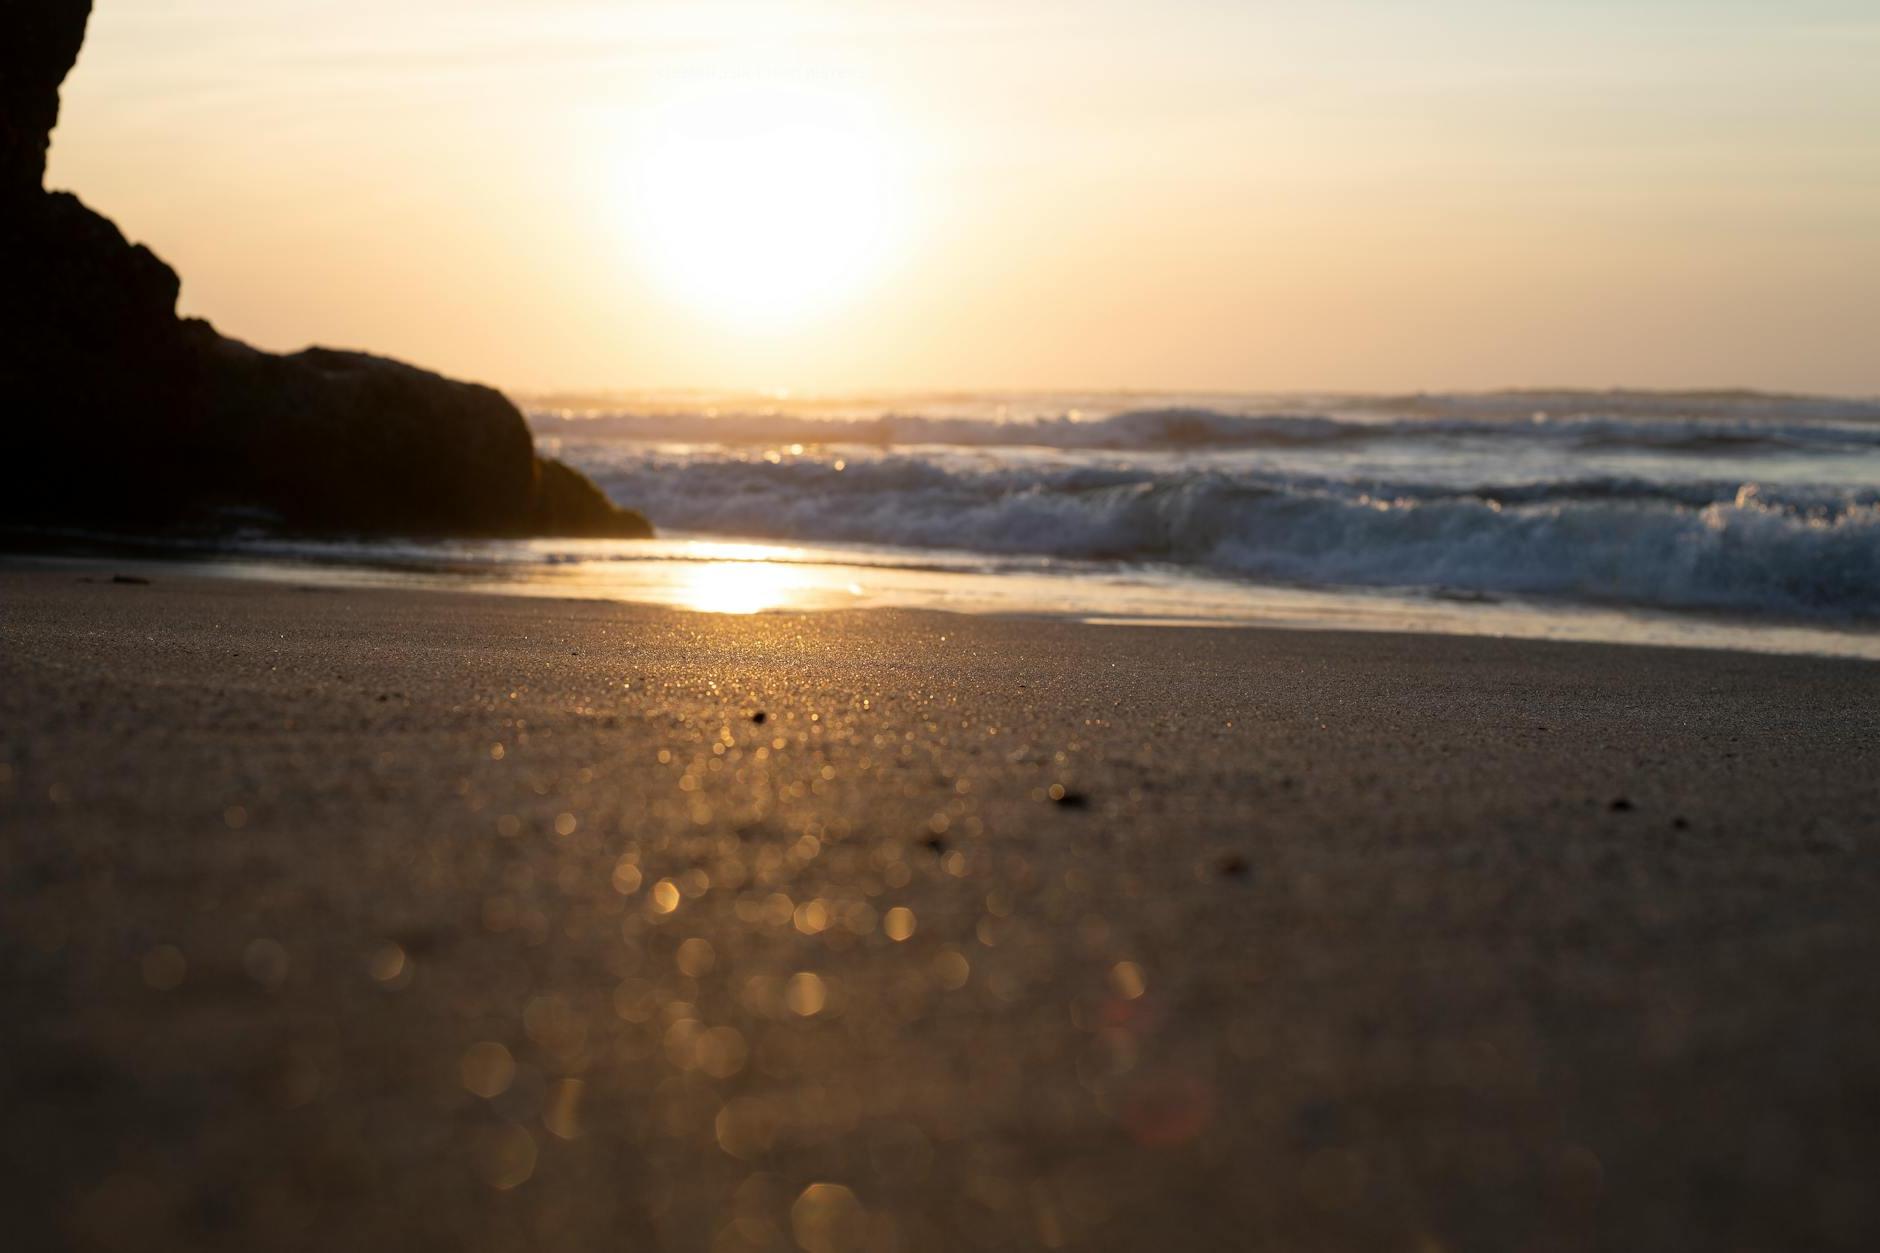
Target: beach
(387, 919)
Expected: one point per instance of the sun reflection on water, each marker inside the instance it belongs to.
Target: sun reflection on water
(739, 587)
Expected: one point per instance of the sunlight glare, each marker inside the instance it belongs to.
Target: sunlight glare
(762, 203)
(738, 587)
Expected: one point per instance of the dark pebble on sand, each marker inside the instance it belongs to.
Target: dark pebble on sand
(934, 844)
(1620, 805)
(1233, 866)
(759, 717)
(1680, 824)
(1073, 800)
(130, 580)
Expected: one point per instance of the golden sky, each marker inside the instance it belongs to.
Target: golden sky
(1205, 194)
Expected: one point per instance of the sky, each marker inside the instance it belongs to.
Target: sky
(1211, 195)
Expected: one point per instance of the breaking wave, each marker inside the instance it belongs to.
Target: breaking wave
(1808, 550)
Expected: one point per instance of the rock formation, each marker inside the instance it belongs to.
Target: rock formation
(119, 413)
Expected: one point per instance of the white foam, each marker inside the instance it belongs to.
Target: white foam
(1805, 549)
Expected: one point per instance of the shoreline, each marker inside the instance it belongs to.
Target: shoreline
(379, 919)
(824, 578)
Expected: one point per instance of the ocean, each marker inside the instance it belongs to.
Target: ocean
(1735, 518)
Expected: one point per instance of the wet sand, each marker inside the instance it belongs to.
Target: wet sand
(401, 920)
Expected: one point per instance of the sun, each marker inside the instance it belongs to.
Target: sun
(762, 203)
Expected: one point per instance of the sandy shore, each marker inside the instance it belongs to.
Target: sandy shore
(381, 920)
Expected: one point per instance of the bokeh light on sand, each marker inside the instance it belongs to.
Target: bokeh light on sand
(488, 1068)
(806, 994)
(827, 1218)
(952, 969)
(696, 957)
(505, 1156)
(562, 1116)
(665, 897)
(388, 964)
(1127, 979)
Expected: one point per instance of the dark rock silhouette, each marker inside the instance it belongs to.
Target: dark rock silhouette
(119, 413)
(42, 42)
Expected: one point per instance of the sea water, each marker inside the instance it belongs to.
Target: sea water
(1704, 517)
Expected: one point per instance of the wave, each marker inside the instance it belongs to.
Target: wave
(1723, 545)
(1822, 426)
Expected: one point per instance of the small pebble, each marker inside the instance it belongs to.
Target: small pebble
(1620, 805)
(130, 580)
(759, 717)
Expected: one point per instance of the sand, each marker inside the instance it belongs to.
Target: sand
(404, 920)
